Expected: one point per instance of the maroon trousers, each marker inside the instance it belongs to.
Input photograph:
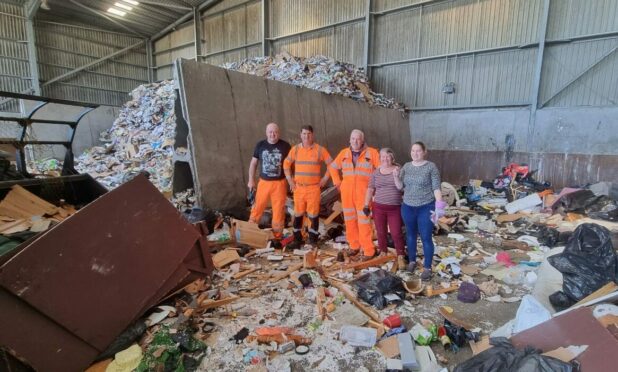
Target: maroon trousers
(388, 217)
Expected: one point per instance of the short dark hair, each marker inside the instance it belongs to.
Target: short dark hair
(421, 144)
(306, 127)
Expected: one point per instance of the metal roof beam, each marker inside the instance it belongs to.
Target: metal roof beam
(171, 6)
(106, 17)
(93, 63)
(183, 19)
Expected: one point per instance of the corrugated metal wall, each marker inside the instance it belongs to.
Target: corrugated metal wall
(62, 48)
(14, 66)
(487, 48)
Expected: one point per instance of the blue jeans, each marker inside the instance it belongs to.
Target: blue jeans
(418, 220)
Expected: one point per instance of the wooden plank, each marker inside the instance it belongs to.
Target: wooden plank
(249, 233)
(285, 274)
(347, 292)
(373, 262)
(337, 209)
(320, 298)
(209, 304)
(242, 274)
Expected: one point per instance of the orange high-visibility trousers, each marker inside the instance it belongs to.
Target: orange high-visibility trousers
(307, 201)
(357, 226)
(275, 192)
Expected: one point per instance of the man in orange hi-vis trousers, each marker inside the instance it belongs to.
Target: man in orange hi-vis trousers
(356, 164)
(305, 181)
(272, 185)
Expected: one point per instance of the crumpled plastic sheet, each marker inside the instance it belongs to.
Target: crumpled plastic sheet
(318, 73)
(504, 357)
(140, 139)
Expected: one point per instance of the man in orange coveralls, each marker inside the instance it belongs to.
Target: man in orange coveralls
(271, 152)
(306, 182)
(356, 163)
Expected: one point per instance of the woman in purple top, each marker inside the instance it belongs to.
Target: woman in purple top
(385, 189)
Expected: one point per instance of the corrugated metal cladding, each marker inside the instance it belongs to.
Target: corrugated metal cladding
(584, 72)
(232, 25)
(176, 44)
(62, 48)
(14, 67)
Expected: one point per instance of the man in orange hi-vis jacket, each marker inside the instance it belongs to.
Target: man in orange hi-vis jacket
(356, 164)
(305, 181)
(272, 186)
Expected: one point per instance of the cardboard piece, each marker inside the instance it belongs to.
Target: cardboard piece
(348, 314)
(480, 346)
(505, 217)
(389, 347)
(249, 233)
(605, 290)
(337, 209)
(566, 354)
(225, 258)
(451, 317)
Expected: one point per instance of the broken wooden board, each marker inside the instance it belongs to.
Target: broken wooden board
(249, 233)
(15, 226)
(285, 274)
(337, 209)
(481, 345)
(224, 258)
(430, 291)
(211, 304)
(21, 203)
(347, 292)
(505, 217)
(242, 274)
(373, 262)
(451, 317)
(309, 259)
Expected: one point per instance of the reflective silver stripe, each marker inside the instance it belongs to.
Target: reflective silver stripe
(362, 165)
(313, 231)
(328, 160)
(348, 173)
(307, 162)
(296, 230)
(347, 164)
(361, 214)
(334, 165)
(349, 218)
(362, 173)
(349, 209)
(307, 174)
(312, 215)
(364, 222)
(298, 215)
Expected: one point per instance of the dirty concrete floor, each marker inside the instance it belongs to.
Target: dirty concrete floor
(326, 352)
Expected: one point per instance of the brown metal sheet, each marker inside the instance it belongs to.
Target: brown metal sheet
(228, 112)
(44, 344)
(94, 272)
(577, 327)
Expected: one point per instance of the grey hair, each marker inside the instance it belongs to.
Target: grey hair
(362, 134)
(391, 153)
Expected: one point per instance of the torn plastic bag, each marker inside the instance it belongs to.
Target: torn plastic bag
(373, 286)
(587, 263)
(504, 357)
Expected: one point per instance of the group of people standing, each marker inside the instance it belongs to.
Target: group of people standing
(371, 184)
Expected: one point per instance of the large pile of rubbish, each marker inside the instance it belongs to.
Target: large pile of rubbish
(316, 72)
(140, 140)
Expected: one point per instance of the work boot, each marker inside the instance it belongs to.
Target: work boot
(412, 266)
(401, 263)
(426, 275)
(352, 252)
(275, 243)
(295, 244)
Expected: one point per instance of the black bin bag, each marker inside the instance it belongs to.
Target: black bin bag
(587, 263)
(373, 286)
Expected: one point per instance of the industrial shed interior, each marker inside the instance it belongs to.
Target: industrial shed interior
(300, 185)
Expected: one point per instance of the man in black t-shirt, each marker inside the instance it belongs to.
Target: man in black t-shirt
(272, 186)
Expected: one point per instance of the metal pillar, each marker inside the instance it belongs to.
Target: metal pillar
(265, 27)
(536, 88)
(197, 33)
(150, 60)
(32, 59)
(367, 36)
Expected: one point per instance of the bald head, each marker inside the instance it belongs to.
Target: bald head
(272, 133)
(357, 139)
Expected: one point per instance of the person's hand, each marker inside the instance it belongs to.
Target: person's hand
(367, 211)
(439, 212)
(292, 185)
(396, 172)
(338, 186)
(251, 184)
(323, 183)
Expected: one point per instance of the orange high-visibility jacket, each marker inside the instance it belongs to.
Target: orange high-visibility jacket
(307, 163)
(368, 161)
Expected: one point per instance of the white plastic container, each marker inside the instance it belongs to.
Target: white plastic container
(359, 336)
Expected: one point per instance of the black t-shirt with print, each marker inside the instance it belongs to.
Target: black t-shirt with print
(271, 157)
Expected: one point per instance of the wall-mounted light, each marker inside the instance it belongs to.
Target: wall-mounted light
(448, 88)
(132, 2)
(123, 6)
(117, 12)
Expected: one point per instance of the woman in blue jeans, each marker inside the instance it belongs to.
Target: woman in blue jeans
(422, 205)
